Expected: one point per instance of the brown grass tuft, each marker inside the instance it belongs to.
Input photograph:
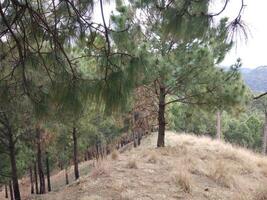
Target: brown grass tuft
(101, 168)
(262, 162)
(115, 155)
(184, 181)
(132, 164)
(222, 175)
(152, 158)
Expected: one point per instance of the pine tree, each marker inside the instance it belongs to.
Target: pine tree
(181, 63)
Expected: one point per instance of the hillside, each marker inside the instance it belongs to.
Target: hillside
(189, 167)
(256, 79)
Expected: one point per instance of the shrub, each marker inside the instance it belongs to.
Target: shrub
(100, 169)
(152, 158)
(114, 155)
(132, 164)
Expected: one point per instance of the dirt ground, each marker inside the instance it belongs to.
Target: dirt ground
(189, 168)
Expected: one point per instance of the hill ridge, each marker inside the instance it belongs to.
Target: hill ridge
(189, 167)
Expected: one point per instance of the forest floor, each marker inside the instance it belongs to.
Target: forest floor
(189, 168)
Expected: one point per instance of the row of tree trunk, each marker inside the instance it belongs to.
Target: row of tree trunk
(11, 191)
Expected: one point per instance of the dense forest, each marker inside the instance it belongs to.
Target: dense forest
(73, 89)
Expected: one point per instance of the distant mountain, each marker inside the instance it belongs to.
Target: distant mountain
(256, 79)
(245, 70)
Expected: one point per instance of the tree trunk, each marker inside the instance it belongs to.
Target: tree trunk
(161, 118)
(39, 163)
(96, 151)
(66, 176)
(48, 173)
(134, 139)
(75, 154)
(218, 126)
(11, 190)
(85, 156)
(14, 172)
(6, 192)
(32, 182)
(35, 178)
(139, 136)
(264, 143)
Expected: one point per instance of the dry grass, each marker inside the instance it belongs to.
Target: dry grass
(261, 194)
(101, 168)
(264, 171)
(262, 162)
(241, 195)
(199, 167)
(221, 174)
(153, 158)
(132, 164)
(114, 155)
(127, 195)
(184, 181)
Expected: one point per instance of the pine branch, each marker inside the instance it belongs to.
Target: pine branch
(261, 95)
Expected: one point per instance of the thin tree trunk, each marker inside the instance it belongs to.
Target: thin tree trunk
(218, 126)
(134, 139)
(85, 156)
(75, 154)
(39, 163)
(89, 154)
(161, 118)
(32, 182)
(139, 136)
(96, 152)
(11, 190)
(35, 177)
(14, 172)
(6, 191)
(48, 173)
(66, 176)
(264, 143)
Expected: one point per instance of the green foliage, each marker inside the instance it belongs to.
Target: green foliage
(57, 66)
(245, 129)
(191, 119)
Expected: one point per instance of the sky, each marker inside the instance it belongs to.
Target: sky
(252, 52)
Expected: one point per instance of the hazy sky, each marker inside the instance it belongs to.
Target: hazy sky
(253, 53)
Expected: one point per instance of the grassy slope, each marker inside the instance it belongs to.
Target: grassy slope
(188, 168)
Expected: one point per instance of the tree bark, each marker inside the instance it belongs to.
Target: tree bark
(139, 136)
(264, 143)
(161, 118)
(39, 163)
(11, 190)
(12, 155)
(75, 154)
(32, 182)
(134, 139)
(35, 178)
(6, 192)
(48, 173)
(66, 176)
(85, 156)
(218, 126)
